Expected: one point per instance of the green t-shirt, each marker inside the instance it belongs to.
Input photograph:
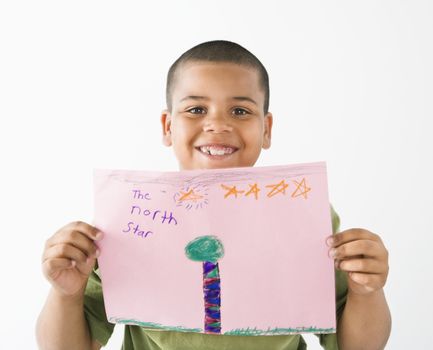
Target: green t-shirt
(136, 337)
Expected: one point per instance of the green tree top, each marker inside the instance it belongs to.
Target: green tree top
(205, 248)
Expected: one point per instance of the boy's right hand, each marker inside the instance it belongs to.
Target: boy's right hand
(69, 257)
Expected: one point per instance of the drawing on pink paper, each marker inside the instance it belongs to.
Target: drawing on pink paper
(191, 197)
(208, 250)
(237, 251)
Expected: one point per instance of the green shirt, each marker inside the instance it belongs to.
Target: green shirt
(136, 337)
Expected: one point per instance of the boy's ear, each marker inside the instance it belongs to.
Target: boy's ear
(166, 127)
(267, 133)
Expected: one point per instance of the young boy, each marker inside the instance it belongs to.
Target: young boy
(217, 117)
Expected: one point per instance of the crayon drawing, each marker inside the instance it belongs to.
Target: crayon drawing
(237, 251)
(208, 250)
(194, 197)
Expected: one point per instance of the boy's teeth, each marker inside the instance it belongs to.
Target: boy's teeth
(214, 151)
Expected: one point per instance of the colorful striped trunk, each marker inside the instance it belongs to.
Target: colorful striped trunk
(212, 297)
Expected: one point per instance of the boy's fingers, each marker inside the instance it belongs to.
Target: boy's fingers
(86, 267)
(352, 249)
(370, 281)
(76, 239)
(79, 226)
(361, 265)
(52, 266)
(89, 230)
(352, 235)
(65, 251)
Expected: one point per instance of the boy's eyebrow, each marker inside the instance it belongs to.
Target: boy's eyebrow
(244, 98)
(194, 97)
(237, 98)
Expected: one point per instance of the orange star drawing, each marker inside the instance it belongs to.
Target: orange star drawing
(189, 196)
(231, 191)
(253, 190)
(301, 190)
(277, 188)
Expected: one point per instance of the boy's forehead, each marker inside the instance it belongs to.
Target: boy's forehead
(194, 78)
(215, 70)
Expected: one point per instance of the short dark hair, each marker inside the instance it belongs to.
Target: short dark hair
(219, 51)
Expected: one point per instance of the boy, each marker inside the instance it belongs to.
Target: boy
(217, 117)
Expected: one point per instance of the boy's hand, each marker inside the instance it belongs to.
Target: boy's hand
(363, 256)
(69, 257)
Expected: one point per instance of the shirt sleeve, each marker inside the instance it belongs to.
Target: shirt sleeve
(329, 341)
(94, 310)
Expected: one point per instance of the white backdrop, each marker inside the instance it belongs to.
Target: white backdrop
(82, 86)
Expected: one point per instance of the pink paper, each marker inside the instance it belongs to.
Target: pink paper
(275, 276)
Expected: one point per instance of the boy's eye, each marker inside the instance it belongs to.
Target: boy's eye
(196, 110)
(240, 111)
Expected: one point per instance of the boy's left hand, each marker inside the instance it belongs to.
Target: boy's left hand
(363, 256)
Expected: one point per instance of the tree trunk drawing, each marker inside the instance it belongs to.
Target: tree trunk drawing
(208, 249)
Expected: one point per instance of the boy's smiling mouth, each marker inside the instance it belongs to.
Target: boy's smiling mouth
(216, 150)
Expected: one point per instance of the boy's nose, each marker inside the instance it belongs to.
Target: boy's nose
(217, 124)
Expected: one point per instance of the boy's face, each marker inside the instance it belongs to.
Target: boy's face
(217, 118)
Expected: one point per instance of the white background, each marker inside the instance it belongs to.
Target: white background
(82, 86)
